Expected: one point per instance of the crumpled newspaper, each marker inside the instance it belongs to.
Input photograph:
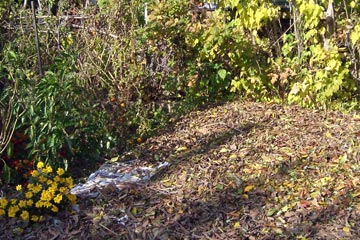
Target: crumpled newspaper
(116, 174)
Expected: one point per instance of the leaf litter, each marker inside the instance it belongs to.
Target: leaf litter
(240, 170)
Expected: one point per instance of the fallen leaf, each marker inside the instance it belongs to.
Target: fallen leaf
(219, 186)
(328, 134)
(233, 156)
(346, 230)
(18, 230)
(224, 150)
(271, 212)
(182, 148)
(134, 210)
(237, 225)
(114, 159)
(248, 188)
(356, 193)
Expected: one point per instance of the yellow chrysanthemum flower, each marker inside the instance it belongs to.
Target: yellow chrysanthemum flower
(39, 204)
(24, 215)
(13, 201)
(34, 173)
(36, 189)
(57, 179)
(58, 198)
(42, 179)
(53, 187)
(29, 202)
(48, 169)
(12, 211)
(55, 209)
(2, 212)
(69, 182)
(47, 205)
(22, 203)
(3, 202)
(40, 165)
(28, 195)
(72, 198)
(62, 189)
(60, 171)
(34, 218)
(18, 187)
(46, 195)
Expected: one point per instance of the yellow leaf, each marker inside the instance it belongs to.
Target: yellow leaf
(285, 208)
(302, 238)
(183, 148)
(328, 135)
(232, 156)
(339, 187)
(223, 150)
(237, 225)
(354, 36)
(356, 193)
(134, 211)
(353, 4)
(114, 159)
(346, 230)
(248, 188)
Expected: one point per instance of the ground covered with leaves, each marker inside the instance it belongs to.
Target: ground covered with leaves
(239, 170)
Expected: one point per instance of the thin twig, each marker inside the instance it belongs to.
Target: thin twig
(108, 229)
(287, 30)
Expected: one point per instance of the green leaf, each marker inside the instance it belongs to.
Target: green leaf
(10, 149)
(219, 187)
(52, 142)
(12, 54)
(114, 159)
(222, 73)
(271, 212)
(6, 173)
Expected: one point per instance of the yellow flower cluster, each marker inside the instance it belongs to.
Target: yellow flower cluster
(47, 192)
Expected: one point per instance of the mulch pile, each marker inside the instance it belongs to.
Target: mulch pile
(240, 170)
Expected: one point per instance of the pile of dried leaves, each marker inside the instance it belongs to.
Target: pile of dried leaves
(242, 170)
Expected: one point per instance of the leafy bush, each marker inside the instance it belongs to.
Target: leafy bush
(56, 112)
(313, 69)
